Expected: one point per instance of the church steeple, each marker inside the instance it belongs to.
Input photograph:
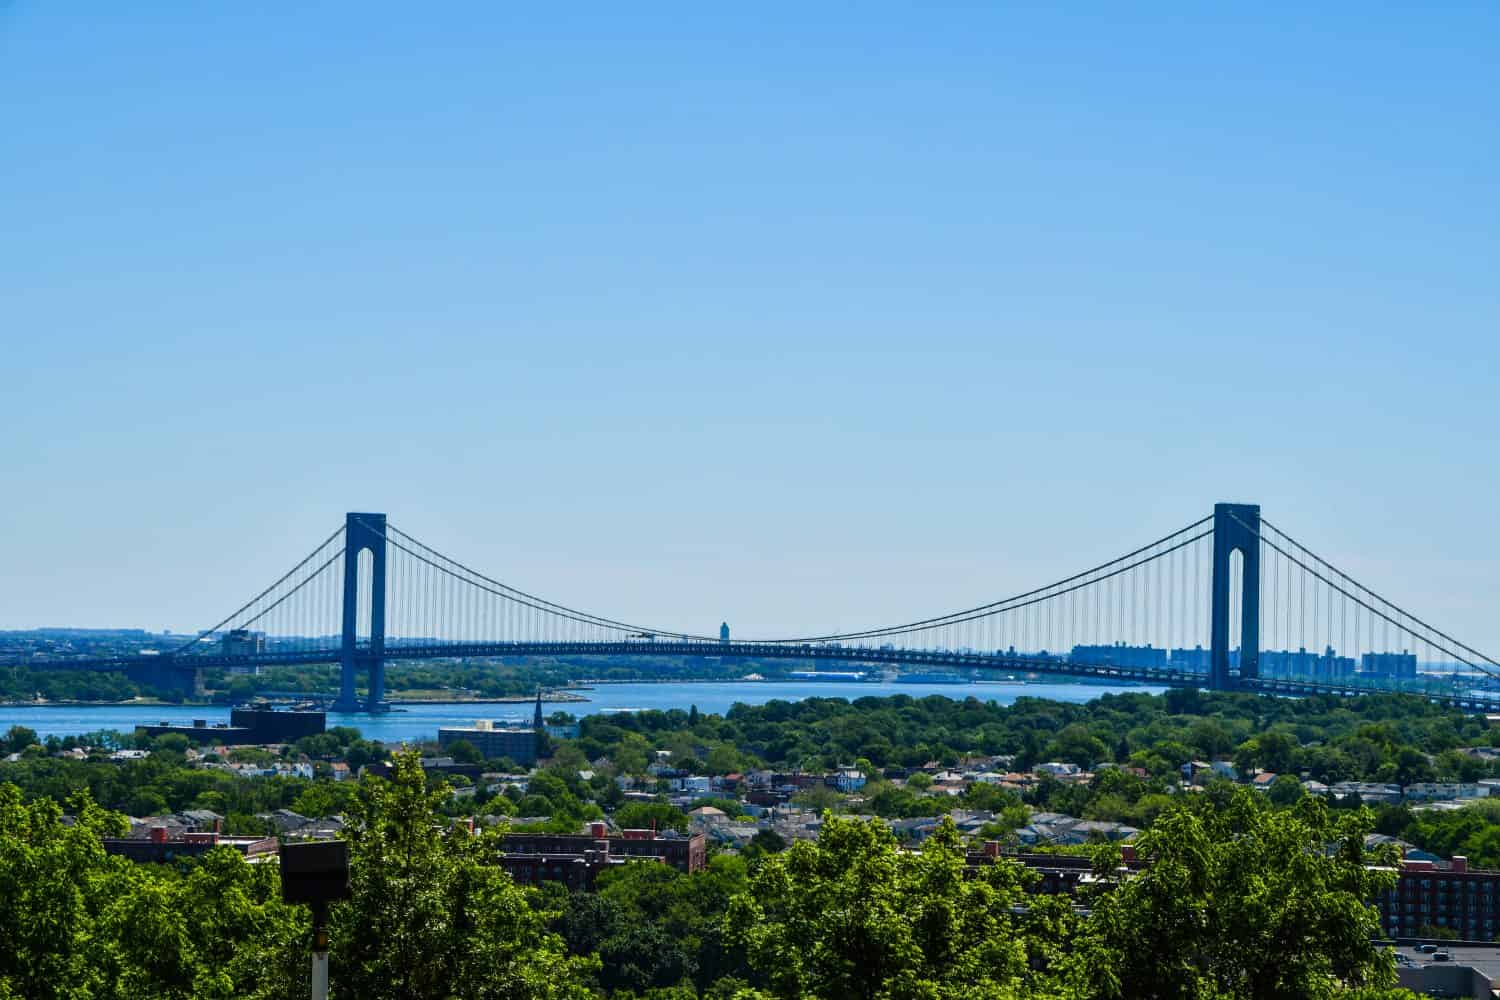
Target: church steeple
(537, 722)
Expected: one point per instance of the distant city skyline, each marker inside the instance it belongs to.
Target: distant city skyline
(784, 318)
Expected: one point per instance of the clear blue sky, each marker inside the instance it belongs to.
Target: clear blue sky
(803, 318)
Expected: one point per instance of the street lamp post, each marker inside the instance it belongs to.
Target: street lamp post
(316, 873)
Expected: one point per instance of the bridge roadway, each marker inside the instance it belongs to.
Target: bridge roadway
(850, 655)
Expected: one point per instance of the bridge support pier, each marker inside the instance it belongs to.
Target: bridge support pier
(363, 532)
(1236, 529)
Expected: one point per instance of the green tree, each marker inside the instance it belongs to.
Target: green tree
(854, 916)
(465, 752)
(362, 752)
(724, 759)
(1412, 766)
(324, 798)
(1241, 901)
(588, 920)
(320, 745)
(769, 841)
(431, 916)
(146, 802)
(687, 909)
(534, 805)
(1273, 751)
(818, 797)
(1285, 790)
(1210, 738)
(77, 922)
(643, 956)
(175, 743)
(17, 738)
(631, 759)
(1074, 744)
(45, 913)
(651, 815)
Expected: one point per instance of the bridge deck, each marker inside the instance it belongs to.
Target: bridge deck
(851, 655)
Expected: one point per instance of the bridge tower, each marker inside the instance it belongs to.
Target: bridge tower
(1236, 529)
(363, 532)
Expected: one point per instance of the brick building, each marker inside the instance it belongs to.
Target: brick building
(573, 868)
(1448, 895)
(163, 845)
(577, 859)
(1442, 894)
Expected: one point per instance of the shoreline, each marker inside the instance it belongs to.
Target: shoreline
(567, 695)
(557, 698)
(113, 704)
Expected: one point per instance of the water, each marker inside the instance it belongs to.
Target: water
(421, 721)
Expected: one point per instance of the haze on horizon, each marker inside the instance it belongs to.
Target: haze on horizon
(800, 320)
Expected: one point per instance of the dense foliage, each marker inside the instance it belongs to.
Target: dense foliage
(430, 915)
(1377, 737)
(467, 678)
(24, 684)
(1246, 894)
(853, 916)
(1241, 899)
(79, 923)
(1397, 738)
(163, 781)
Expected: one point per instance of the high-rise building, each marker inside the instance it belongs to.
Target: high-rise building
(1121, 655)
(1399, 666)
(243, 642)
(1329, 666)
(1197, 659)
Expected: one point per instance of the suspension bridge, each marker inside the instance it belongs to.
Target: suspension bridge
(1228, 602)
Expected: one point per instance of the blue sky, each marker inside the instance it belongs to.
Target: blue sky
(807, 319)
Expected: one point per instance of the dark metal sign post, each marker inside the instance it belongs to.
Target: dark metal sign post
(316, 873)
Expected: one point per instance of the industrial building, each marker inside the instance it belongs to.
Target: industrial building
(494, 742)
(246, 726)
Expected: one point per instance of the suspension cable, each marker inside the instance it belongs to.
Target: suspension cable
(1011, 603)
(1404, 613)
(999, 606)
(540, 603)
(250, 603)
(477, 585)
(1014, 603)
(283, 598)
(1361, 602)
